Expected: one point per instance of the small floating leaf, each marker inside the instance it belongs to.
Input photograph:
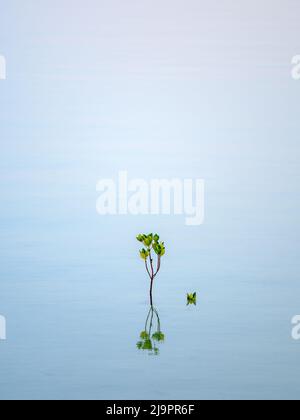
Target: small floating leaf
(192, 298)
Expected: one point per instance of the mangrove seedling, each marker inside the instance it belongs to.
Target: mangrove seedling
(152, 245)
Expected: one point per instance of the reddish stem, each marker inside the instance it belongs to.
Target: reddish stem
(152, 275)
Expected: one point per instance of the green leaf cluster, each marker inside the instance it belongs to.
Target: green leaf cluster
(159, 249)
(151, 241)
(144, 254)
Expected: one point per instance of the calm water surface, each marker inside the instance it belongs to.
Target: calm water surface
(73, 330)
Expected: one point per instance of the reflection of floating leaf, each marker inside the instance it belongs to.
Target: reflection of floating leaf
(192, 298)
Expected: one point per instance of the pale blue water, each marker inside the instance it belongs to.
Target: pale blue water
(74, 320)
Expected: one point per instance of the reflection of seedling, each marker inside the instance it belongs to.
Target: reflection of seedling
(150, 341)
(192, 298)
(151, 243)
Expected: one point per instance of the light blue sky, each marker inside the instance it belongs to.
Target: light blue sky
(192, 89)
